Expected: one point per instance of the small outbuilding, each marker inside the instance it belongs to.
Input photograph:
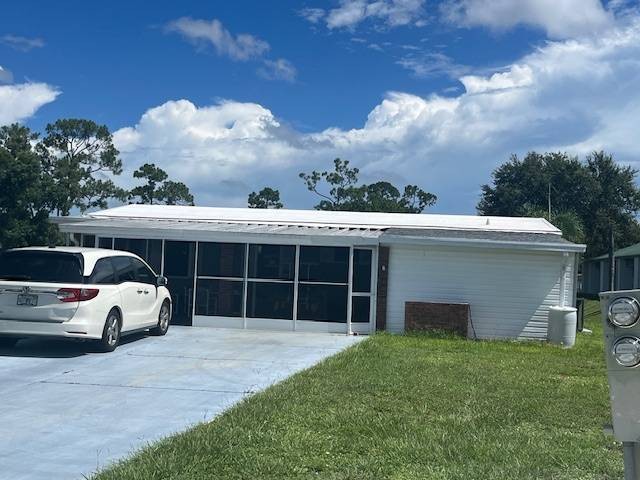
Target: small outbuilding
(596, 271)
(347, 272)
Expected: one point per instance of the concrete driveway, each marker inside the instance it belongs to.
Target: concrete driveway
(65, 413)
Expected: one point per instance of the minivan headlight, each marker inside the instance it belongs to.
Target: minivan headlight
(624, 312)
(626, 351)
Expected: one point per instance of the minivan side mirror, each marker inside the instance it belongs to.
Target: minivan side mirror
(161, 281)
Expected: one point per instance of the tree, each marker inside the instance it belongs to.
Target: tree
(344, 193)
(158, 189)
(80, 158)
(24, 200)
(614, 202)
(175, 193)
(586, 197)
(154, 176)
(265, 198)
(569, 223)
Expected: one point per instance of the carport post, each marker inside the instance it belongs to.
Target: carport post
(349, 300)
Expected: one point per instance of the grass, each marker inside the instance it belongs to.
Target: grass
(411, 407)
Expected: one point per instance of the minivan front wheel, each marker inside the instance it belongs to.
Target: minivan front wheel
(111, 332)
(164, 318)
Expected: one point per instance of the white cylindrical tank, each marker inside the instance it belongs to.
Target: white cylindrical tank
(562, 326)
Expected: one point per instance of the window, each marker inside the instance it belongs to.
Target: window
(88, 240)
(41, 266)
(105, 242)
(322, 303)
(75, 239)
(360, 309)
(137, 246)
(276, 262)
(221, 259)
(219, 297)
(125, 271)
(270, 300)
(103, 273)
(324, 264)
(142, 272)
(625, 267)
(361, 270)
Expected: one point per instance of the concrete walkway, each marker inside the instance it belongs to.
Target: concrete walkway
(65, 413)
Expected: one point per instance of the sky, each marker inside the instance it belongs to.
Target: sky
(230, 97)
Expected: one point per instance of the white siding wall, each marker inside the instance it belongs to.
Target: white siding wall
(509, 291)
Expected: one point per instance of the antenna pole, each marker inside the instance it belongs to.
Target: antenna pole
(549, 202)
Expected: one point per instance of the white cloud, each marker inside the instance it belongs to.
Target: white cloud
(572, 95)
(350, 13)
(431, 64)
(558, 18)
(279, 69)
(23, 44)
(5, 75)
(312, 15)
(20, 101)
(219, 150)
(240, 47)
(517, 76)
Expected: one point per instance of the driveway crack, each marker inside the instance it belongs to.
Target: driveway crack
(148, 387)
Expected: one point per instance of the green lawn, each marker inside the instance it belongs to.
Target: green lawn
(406, 407)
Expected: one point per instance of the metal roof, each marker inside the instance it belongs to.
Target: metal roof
(533, 241)
(362, 220)
(209, 230)
(630, 251)
(197, 230)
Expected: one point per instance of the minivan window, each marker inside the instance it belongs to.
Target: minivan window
(41, 266)
(143, 273)
(124, 269)
(103, 273)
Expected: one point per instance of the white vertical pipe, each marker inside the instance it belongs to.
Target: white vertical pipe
(296, 279)
(161, 256)
(245, 281)
(349, 299)
(195, 280)
(374, 290)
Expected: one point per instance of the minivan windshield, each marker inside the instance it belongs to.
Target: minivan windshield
(41, 266)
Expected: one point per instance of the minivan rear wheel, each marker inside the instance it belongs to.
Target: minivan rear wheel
(164, 318)
(111, 332)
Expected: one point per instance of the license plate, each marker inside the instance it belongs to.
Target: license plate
(27, 299)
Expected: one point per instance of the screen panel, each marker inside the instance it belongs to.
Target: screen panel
(270, 300)
(324, 264)
(322, 303)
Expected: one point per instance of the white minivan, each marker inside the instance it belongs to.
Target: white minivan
(78, 292)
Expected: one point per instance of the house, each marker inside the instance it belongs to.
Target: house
(346, 272)
(596, 272)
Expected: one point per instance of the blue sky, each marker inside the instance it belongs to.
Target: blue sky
(232, 96)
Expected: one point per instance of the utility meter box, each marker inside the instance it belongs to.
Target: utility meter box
(621, 319)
